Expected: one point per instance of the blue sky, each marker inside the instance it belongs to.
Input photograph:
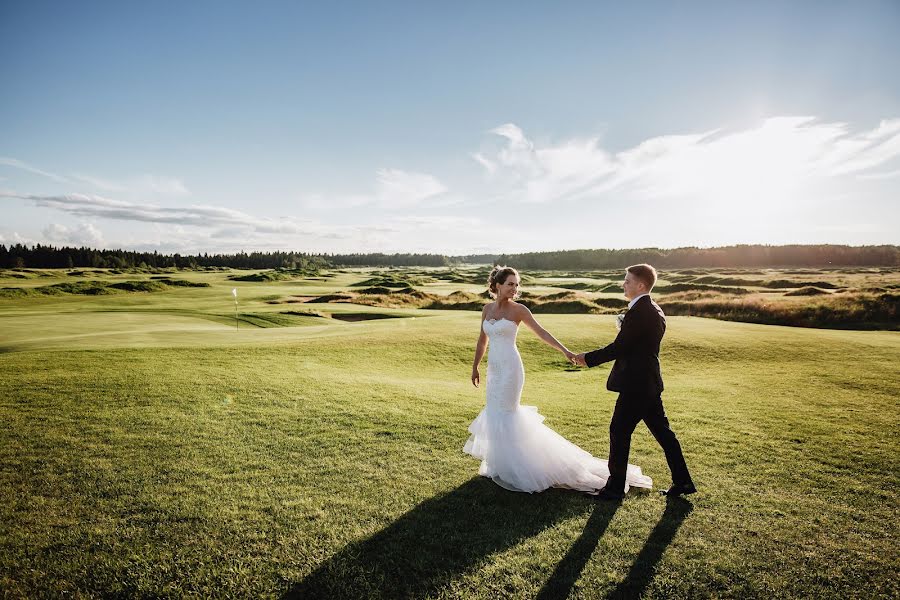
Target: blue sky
(360, 127)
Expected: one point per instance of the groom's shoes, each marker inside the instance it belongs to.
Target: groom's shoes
(681, 489)
(609, 495)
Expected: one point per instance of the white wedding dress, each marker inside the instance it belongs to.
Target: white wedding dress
(516, 449)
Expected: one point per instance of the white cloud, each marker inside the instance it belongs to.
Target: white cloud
(401, 234)
(168, 186)
(100, 184)
(12, 162)
(873, 149)
(773, 162)
(518, 154)
(879, 176)
(220, 229)
(787, 179)
(142, 184)
(394, 189)
(397, 189)
(83, 205)
(15, 238)
(86, 234)
(489, 166)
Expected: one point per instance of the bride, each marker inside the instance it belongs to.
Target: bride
(516, 449)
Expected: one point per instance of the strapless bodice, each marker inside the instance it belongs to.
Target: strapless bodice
(500, 329)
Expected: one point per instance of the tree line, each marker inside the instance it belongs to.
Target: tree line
(50, 257)
(742, 256)
(756, 256)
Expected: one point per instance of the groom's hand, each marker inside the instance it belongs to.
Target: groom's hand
(579, 360)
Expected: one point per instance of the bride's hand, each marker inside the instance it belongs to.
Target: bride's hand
(476, 376)
(570, 356)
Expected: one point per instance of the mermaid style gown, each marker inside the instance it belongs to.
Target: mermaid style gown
(516, 449)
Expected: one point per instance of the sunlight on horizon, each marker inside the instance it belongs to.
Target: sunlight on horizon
(747, 182)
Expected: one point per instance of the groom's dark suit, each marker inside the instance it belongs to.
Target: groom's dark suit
(637, 378)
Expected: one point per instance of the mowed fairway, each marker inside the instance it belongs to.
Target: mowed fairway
(149, 449)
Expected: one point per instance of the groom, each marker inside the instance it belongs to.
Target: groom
(637, 378)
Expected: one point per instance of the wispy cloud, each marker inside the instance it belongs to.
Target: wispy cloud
(216, 228)
(18, 164)
(141, 184)
(787, 179)
(154, 185)
(83, 205)
(769, 162)
(393, 189)
(396, 188)
(879, 176)
(489, 165)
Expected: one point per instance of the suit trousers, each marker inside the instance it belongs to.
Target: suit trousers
(630, 410)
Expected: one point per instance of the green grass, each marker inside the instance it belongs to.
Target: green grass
(152, 450)
(96, 288)
(276, 275)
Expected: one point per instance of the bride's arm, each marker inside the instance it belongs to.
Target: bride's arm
(480, 347)
(542, 333)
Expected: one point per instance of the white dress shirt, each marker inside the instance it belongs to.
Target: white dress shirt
(630, 304)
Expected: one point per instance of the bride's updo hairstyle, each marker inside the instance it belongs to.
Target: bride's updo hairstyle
(499, 275)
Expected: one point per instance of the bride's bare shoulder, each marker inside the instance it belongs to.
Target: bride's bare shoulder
(519, 311)
(519, 308)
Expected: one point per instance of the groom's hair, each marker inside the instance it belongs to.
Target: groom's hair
(645, 273)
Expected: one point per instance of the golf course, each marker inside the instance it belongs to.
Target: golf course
(235, 433)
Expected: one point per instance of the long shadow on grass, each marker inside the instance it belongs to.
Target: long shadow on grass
(644, 567)
(569, 568)
(438, 540)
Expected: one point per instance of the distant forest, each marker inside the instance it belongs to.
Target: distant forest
(814, 256)
(817, 256)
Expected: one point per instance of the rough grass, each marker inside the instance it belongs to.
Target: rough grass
(95, 287)
(180, 282)
(582, 286)
(394, 281)
(859, 310)
(803, 306)
(807, 291)
(275, 275)
(684, 287)
(323, 466)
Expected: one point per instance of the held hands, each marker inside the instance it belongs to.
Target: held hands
(575, 359)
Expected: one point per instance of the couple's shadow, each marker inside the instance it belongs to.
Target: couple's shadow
(451, 534)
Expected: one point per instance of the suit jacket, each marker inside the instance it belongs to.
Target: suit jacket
(635, 350)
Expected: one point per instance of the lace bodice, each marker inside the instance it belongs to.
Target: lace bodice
(505, 372)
